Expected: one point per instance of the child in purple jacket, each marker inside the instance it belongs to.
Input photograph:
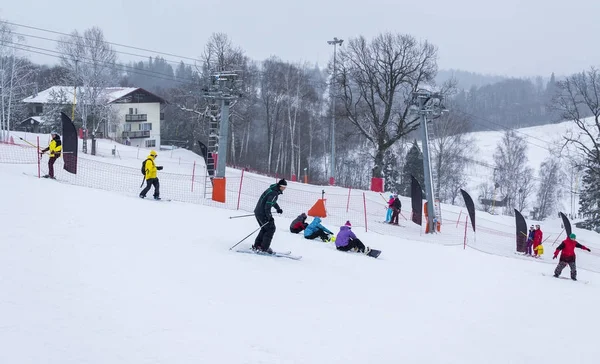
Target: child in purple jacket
(346, 240)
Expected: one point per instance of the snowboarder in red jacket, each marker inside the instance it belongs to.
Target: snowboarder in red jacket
(568, 256)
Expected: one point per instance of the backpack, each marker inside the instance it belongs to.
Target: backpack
(144, 166)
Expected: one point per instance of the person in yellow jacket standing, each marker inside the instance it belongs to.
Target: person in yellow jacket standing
(55, 149)
(150, 169)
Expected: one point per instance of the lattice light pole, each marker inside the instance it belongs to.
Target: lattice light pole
(426, 103)
(223, 88)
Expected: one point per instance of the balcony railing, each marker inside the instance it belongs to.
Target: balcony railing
(136, 117)
(136, 134)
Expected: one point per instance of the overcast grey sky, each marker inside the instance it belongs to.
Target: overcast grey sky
(508, 37)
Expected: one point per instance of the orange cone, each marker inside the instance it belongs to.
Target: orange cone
(318, 209)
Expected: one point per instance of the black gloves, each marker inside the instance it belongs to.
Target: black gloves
(159, 168)
(279, 211)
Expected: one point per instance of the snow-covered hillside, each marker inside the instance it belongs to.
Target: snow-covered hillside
(183, 180)
(541, 141)
(91, 276)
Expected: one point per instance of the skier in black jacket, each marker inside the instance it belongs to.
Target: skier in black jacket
(262, 212)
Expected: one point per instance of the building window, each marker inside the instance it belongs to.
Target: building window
(113, 128)
(146, 126)
(39, 109)
(130, 111)
(150, 143)
(127, 127)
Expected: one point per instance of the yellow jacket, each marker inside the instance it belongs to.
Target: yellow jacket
(539, 250)
(55, 147)
(150, 166)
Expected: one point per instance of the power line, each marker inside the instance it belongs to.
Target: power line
(92, 47)
(129, 69)
(111, 43)
(310, 82)
(505, 128)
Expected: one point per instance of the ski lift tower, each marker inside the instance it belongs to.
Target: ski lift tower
(426, 104)
(223, 89)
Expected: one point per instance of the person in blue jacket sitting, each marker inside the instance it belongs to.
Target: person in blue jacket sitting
(316, 230)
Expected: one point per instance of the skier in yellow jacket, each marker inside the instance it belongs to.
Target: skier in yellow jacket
(55, 149)
(151, 176)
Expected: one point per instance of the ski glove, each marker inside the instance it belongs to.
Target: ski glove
(279, 211)
(589, 250)
(554, 257)
(159, 168)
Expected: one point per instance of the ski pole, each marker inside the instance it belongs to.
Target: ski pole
(236, 217)
(558, 237)
(238, 243)
(35, 146)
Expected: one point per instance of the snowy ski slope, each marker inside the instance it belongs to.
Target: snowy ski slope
(91, 276)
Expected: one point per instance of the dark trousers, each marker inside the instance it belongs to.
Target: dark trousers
(395, 213)
(562, 264)
(265, 235)
(528, 248)
(51, 166)
(149, 183)
(353, 243)
(318, 234)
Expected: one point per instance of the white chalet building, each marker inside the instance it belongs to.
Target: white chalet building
(137, 113)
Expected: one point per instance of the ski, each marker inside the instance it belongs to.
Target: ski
(40, 177)
(569, 279)
(275, 254)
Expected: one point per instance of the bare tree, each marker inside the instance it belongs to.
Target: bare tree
(272, 95)
(451, 153)
(511, 171)
(91, 65)
(221, 55)
(299, 95)
(59, 100)
(525, 189)
(578, 99)
(549, 190)
(486, 192)
(15, 78)
(376, 80)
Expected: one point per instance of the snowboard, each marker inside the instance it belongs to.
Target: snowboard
(152, 199)
(275, 254)
(374, 253)
(567, 278)
(387, 223)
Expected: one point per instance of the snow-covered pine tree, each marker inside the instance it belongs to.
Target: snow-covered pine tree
(589, 199)
(413, 165)
(391, 172)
